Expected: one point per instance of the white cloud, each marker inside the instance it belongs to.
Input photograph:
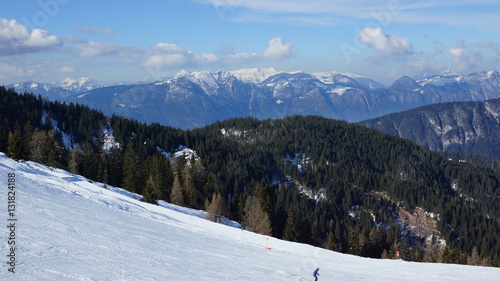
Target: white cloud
(383, 43)
(334, 11)
(465, 60)
(170, 55)
(168, 48)
(67, 69)
(166, 60)
(205, 58)
(94, 49)
(17, 68)
(15, 38)
(40, 38)
(167, 55)
(95, 29)
(278, 49)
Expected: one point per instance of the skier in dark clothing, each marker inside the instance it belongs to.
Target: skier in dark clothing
(316, 274)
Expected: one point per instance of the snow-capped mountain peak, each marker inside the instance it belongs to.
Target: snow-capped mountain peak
(332, 77)
(254, 75)
(335, 77)
(446, 79)
(80, 85)
(181, 73)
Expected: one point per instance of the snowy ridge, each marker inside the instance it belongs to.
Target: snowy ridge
(80, 85)
(446, 79)
(254, 75)
(70, 228)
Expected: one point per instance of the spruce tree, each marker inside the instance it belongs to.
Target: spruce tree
(291, 231)
(188, 185)
(131, 172)
(330, 242)
(150, 193)
(17, 149)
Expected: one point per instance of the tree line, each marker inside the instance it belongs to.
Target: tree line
(307, 179)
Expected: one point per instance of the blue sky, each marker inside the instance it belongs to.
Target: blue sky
(130, 41)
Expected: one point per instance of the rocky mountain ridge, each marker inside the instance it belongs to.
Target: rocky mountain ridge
(465, 127)
(193, 99)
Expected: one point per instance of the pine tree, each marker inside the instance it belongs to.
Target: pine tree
(291, 231)
(52, 159)
(353, 243)
(150, 193)
(17, 149)
(89, 162)
(131, 173)
(190, 191)
(177, 197)
(330, 242)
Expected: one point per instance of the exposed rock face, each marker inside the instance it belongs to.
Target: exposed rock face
(468, 127)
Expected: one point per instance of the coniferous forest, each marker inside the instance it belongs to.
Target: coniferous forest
(302, 178)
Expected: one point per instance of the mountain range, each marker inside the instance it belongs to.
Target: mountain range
(193, 99)
(319, 179)
(465, 127)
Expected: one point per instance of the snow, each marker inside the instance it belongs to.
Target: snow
(339, 90)
(108, 139)
(163, 152)
(317, 196)
(187, 153)
(332, 77)
(69, 228)
(67, 140)
(232, 132)
(79, 85)
(254, 75)
(299, 159)
(439, 80)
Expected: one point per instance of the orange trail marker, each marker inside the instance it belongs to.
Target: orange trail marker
(267, 244)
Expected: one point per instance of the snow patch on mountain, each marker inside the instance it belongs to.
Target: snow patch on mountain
(108, 139)
(299, 160)
(439, 80)
(254, 75)
(185, 152)
(338, 90)
(332, 77)
(80, 85)
(66, 139)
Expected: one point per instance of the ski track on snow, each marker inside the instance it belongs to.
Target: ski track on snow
(70, 228)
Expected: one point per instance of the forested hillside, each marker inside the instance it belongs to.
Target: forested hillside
(309, 179)
(465, 127)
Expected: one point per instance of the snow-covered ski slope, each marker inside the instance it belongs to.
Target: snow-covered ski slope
(71, 229)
